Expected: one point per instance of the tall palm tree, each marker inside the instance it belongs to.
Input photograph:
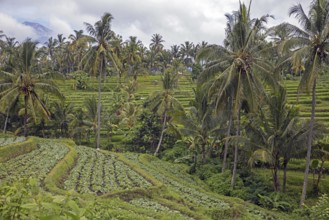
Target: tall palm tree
(133, 56)
(187, 53)
(77, 47)
(311, 44)
(163, 102)
(238, 70)
(156, 43)
(199, 122)
(28, 85)
(50, 47)
(91, 114)
(62, 115)
(175, 51)
(60, 53)
(156, 48)
(99, 55)
(9, 53)
(117, 49)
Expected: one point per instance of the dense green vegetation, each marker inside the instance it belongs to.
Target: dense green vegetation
(95, 127)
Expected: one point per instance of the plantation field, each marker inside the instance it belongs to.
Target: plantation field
(10, 140)
(149, 84)
(303, 100)
(97, 172)
(125, 186)
(146, 85)
(36, 163)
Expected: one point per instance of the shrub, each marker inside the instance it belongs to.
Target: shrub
(277, 201)
(255, 185)
(321, 209)
(178, 151)
(24, 199)
(221, 183)
(81, 79)
(206, 171)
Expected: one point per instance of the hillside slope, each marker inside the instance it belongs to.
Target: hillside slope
(125, 186)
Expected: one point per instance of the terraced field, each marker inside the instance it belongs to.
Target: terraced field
(149, 84)
(96, 172)
(304, 100)
(146, 85)
(36, 163)
(125, 186)
(10, 140)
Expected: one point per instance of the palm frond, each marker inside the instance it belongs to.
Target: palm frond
(261, 155)
(298, 12)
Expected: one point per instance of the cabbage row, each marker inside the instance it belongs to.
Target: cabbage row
(176, 181)
(36, 164)
(96, 172)
(11, 140)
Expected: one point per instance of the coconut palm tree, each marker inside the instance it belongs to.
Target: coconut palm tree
(77, 47)
(199, 122)
(62, 115)
(156, 43)
(100, 53)
(50, 47)
(132, 56)
(175, 51)
(28, 85)
(9, 53)
(310, 45)
(237, 70)
(156, 47)
(187, 53)
(117, 48)
(275, 131)
(91, 114)
(164, 102)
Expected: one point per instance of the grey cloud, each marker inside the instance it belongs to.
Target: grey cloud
(176, 20)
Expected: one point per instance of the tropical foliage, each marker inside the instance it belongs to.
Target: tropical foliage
(238, 116)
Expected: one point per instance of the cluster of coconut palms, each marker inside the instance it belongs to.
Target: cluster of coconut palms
(239, 97)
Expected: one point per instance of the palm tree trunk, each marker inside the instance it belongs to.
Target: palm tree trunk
(6, 122)
(25, 116)
(284, 183)
(309, 146)
(99, 105)
(226, 143)
(235, 163)
(275, 174)
(162, 133)
(317, 183)
(203, 153)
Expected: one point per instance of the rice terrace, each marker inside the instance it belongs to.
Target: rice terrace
(100, 126)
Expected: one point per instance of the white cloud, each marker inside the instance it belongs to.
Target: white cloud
(12, 28)
(60, 26)
(176, 20)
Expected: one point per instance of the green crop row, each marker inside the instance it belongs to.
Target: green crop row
(96, 172)
(55, 178)
(37, 163)
(11, 140)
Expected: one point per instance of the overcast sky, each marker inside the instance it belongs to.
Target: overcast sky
(176, 20)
